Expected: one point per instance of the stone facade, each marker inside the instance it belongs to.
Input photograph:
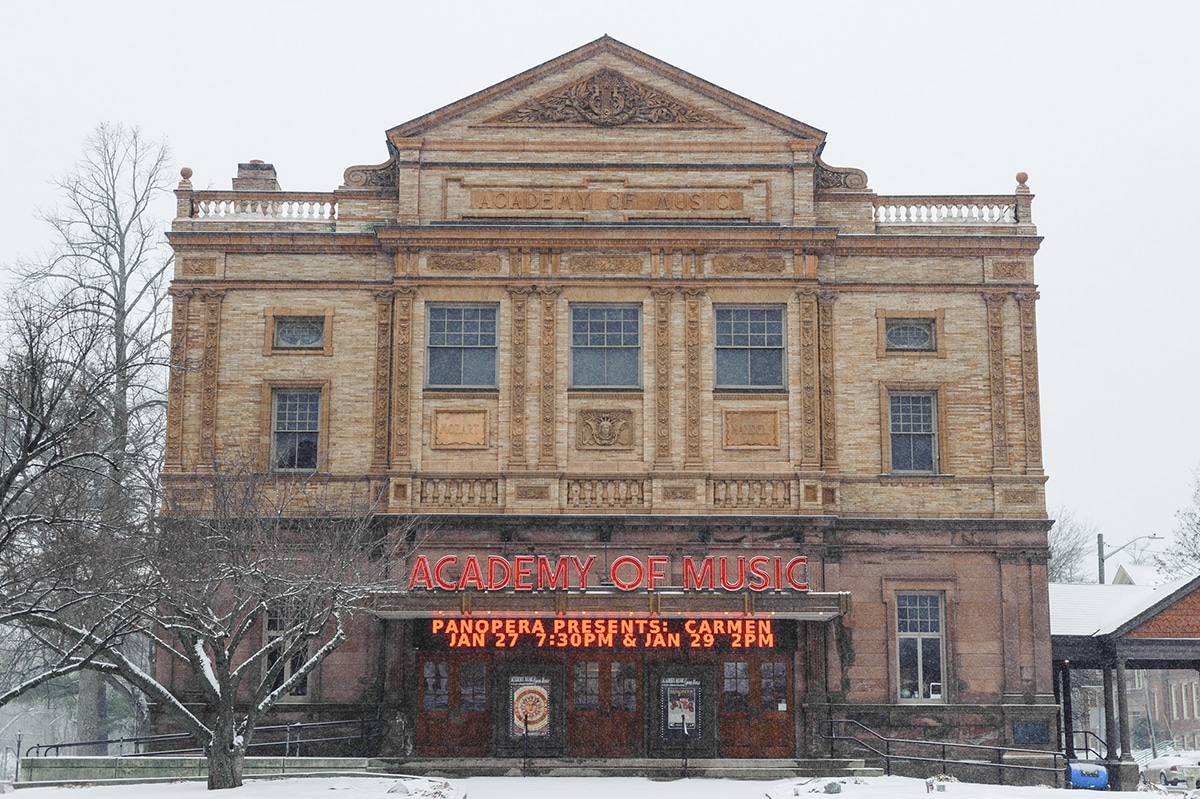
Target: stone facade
(607, 184)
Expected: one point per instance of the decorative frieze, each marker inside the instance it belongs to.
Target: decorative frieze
(810, 457)
(383, 380)
(825, 301)
(995, 333)
(519, 372)
(198, 267)
(176, 380)
(1029, 382)
(208, 375)
(749, 264)
(606, 264)
(662, 375)
(463, 264)
(402, 376)
(549, 367)
(604, 429)
(693, 304)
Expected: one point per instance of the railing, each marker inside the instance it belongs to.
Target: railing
(934, 210)
(264, 205)
(751, 493)
(604, 493)
(940, 751)
(1086, 752)
(291, 737)
(459, 492)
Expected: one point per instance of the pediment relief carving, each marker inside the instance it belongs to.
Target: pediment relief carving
(608, 99)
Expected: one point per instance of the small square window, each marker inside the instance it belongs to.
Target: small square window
(606, 346)
(749, 346)
(299, 333)
(911, 335)
(461, 346)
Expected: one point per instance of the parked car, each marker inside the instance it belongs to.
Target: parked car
(1173, 771)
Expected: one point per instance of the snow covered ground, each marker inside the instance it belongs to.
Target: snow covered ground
(553, 788)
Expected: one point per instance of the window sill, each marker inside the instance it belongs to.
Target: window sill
(774, 392)
(605, 390)
(451, 391)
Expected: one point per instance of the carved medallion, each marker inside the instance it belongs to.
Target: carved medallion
(604, 429)
(608, 99)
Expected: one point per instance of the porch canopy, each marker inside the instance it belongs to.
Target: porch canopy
(1117, 627)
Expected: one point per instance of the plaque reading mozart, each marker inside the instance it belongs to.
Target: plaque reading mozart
(455, 429)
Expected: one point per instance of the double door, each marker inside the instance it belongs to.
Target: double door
(755, 716)
(604, 706)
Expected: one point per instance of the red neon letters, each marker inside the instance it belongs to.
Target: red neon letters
(625, 573)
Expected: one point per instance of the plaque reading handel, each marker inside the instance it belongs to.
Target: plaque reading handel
(751, 430)
(454, 429)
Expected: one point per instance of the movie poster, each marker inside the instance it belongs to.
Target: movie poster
(529, 698)
(680, 707)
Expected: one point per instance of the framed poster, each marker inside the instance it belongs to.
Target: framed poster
(680, 700)
(529, 702)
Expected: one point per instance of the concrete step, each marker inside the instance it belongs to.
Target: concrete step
(654, 768)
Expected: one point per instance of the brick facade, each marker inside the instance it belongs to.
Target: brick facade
(607, 179)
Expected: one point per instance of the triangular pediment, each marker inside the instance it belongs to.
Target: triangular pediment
(1178, 618)
(607, 98)
(603, 85)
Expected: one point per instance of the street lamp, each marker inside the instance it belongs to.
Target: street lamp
(1101, 557)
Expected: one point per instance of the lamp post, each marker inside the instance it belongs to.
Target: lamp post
(1101, 557)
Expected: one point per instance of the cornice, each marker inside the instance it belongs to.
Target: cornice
(270, 242)
(987, 244)
(530, 237)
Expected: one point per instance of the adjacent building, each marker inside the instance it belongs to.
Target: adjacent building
(692, 433)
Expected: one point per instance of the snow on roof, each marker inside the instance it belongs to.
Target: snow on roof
(1090, 609)
(1138, 574)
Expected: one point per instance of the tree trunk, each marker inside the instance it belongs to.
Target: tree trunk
(226, 754)
(88, 718)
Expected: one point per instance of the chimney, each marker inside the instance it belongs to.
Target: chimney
(256, 176)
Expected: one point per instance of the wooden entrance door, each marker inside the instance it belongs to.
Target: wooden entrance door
(754, 713)
(604, 713)
(452, 707)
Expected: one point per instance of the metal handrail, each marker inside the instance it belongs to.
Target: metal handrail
(368, 730)
(1086, 749)
(942, 759)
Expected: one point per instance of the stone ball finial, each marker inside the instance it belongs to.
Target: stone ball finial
(1021, 187)
(186, 173)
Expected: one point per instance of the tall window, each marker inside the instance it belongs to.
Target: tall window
(606, 346)
(295, 428)
(919, 641)
(913, 423)
(435, 685)
(282, 619)
(462, 346)
(749, 347)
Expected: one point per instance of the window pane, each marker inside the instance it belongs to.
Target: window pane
(910, 334)
(909, 668)
(299, 332)
(296, 427)
(736, 685)
(931, 667)
(749, 346)
(733, 368)
(766, 367)
(774, 686)
(912, 432)
(436, 678)
(587, 686)
(479, 367)
(605, 346)
(474, 686)
(624, 686)
(461, 346)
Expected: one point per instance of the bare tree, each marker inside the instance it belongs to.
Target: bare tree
(1071, 541)
(1182, 556)
(247, 589)
(109, 260)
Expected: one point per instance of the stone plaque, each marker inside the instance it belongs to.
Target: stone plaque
(604, 429)
(679, 492)
(529, 491)
(464, 264)
(199, 267)
(459, 429)
(1008, 270)
(751, 430)
(749, 264)
(1019, 496)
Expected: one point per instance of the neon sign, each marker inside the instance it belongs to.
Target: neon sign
(603, 634)
(625, 572)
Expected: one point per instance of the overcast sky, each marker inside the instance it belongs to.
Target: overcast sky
(1097, 101)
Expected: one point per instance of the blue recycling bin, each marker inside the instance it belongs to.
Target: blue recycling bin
(1087, 775)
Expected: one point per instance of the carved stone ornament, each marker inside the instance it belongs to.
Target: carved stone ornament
(382, 176)
(605, 429)
(608, 99)
(836, 178)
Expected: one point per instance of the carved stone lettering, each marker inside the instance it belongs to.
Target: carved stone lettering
(675, 202)
(455, 429)
(533, 492)
(604, 429)
(751, 430)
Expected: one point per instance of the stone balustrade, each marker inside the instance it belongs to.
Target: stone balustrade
(268, 206)
(947, 210)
